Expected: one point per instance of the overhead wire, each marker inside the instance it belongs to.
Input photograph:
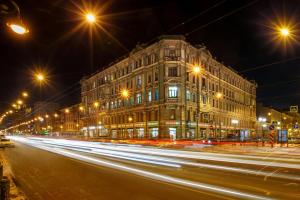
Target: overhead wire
(222, 17)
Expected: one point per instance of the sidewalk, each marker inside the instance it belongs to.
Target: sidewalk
(291, 150)
(15, 193)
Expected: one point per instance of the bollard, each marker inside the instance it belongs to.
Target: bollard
(4, 188)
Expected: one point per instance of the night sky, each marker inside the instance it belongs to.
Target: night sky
(242, 39)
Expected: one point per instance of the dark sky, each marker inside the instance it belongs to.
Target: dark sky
(241, 40)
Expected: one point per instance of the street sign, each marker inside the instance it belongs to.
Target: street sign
(294, 109)
(282, 135)
(296, 126)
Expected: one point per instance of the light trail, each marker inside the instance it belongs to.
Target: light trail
(156, 160)
(179, 154)
(147, 174)
(172, 162)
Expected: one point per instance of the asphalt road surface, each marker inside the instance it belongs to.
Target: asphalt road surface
(61, 170)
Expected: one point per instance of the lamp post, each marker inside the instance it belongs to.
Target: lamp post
(219, 95)
(91, 19)
(130, 119)
(235, 123)
(12, 15)
(196, 70)
(80, 110)
(96, 106)
(262, 121)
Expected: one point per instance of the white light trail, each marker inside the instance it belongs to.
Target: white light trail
(151, 175)
(170, 161)
(105, 150)
(180, 154)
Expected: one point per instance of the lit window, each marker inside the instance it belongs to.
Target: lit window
(139, 98)
(149, 96)
(154, 132)
(156, 94)
(188, 95)
(173, 91)
(139, 81)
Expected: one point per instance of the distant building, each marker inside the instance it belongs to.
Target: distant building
(42, 109)
(70, 120)
(281, 120)
(164, 100)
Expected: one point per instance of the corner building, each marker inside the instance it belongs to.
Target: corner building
(164, 98)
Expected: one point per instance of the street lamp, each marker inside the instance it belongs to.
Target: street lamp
(90, 18)
(219, 95)
(14, 21)
(96, 104)
(24, 94)
(235, 122)
(81, 108)
(67, 110)
(18, 28)
(125, 93)
(269, 113)
(40, 77)
(130, 119)
(196, 70)
(20, 102)
(284, 31)
(262, 120)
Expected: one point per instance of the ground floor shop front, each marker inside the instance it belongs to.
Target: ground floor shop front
(167, 130)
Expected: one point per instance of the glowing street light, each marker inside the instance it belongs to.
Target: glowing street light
(40, 77)
(90, 17)
(96, 104)
(269, 114)
(20, 102)
(219, 95)
(24, 94)
(18, 28)
(81, 108)
(285, 32)
(196, 69)
(16, 25)
(67, 111)
(125, 93)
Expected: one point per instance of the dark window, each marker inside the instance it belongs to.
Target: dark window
(172, 72)
(149, 78)
(156, 76)
(187, 76)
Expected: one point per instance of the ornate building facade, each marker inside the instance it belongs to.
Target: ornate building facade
(156, 92)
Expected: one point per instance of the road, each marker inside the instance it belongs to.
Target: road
(63, 169)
